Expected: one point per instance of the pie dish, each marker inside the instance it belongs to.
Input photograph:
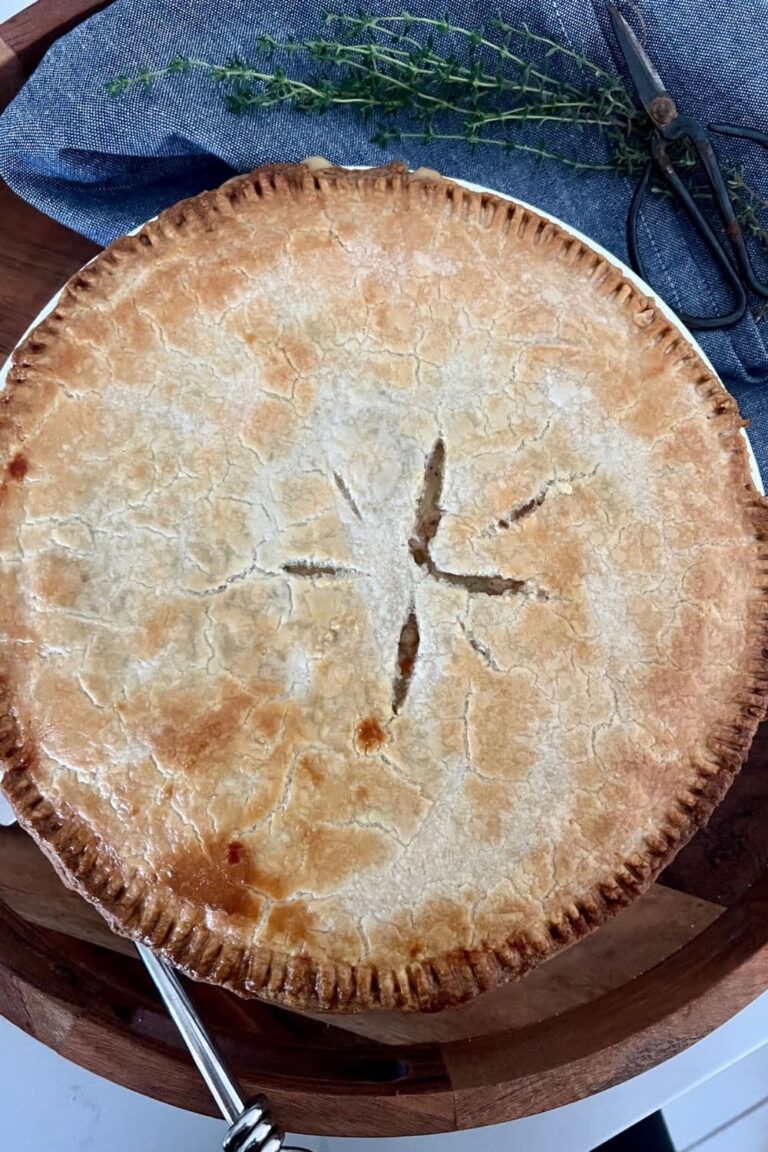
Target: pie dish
(383, 588)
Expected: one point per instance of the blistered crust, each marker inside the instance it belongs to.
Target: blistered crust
(443, 755)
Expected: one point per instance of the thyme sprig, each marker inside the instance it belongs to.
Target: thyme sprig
(428, 79)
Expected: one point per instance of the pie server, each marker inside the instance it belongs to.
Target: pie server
(251, 1128)
(250, 1125)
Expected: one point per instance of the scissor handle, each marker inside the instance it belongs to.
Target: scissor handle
(703, 146)
(739, 130)
(661, 159)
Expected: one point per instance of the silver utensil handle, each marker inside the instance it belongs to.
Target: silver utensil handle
(211, 1064)
(250, 1123)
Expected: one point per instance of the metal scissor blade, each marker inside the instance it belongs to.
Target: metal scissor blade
(646, 79)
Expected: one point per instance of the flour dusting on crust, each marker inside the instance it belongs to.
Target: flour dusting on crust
(381, 588)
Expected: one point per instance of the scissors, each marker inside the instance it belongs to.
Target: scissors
(670, 125)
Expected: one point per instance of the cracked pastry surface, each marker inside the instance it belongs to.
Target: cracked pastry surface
(383, 588)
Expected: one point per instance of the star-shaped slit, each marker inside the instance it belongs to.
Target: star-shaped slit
(429, 513)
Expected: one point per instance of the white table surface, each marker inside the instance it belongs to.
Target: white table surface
(48, 1103)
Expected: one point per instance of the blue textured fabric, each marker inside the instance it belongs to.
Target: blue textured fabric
(103, 166)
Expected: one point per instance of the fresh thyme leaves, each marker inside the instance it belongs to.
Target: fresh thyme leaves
(426, 79)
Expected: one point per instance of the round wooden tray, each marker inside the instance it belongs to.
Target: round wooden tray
(678, 963)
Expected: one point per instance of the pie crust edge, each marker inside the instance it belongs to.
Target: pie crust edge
(175, 927)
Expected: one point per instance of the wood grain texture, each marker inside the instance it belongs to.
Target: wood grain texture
(97, 1008)
(645, 934)
(30, 888)
(70, 983)
(37, 256)
(731, 853)
(11, 73)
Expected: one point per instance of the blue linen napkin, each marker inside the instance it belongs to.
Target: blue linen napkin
(102, 165)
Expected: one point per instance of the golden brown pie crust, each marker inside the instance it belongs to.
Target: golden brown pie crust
(205, 720)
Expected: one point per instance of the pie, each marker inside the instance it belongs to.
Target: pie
(383, 588)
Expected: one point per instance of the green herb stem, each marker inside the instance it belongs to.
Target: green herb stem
(405, 69)
(505, 144)
(477, 39)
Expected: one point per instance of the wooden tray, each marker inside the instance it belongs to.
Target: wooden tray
(676, 964)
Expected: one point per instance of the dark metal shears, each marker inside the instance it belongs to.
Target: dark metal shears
(669, 126)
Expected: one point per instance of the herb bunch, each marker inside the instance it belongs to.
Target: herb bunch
(426, 79)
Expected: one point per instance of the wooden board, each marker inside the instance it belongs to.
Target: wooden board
(731, 853)
(650, 930)
(678, 963)
(95, 1006)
